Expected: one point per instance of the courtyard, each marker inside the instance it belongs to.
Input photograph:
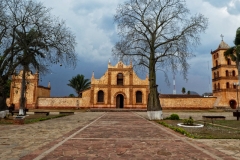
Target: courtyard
(110, 135)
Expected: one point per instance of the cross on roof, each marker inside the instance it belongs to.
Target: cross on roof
(221, 36)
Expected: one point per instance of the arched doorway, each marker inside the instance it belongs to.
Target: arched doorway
(120, 101)
(233, 104)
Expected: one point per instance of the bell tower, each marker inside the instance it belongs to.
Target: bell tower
(224, 78)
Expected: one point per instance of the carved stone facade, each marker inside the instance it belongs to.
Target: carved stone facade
(33, 90)
(119, 87)
(224, 78)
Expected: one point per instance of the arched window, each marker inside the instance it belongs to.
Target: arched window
(138, 97)
(215, 86)
(233, 73)
(100, 97)
(217, 74)
(217, 55)
(218, 86)
(227, 74)
(228, 61)
(216, 63)
(227, 85)
(119, 79)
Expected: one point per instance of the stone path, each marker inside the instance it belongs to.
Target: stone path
(19, 140)
(96, 135)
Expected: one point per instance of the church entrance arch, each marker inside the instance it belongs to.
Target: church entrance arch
(233, 104)
(120, 101)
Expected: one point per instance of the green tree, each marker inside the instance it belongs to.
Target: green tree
(25, 42)
(188, 92)
(7, 88)
(157, 34)
(71, 95)
(51, 37)
(234, 52)
(183, 90)
(79, 84)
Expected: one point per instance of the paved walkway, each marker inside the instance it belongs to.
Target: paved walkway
(96, 135)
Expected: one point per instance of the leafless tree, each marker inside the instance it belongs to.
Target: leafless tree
(158, 34)
(55, 43)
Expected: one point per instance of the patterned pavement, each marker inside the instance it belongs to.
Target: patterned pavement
(97, 135)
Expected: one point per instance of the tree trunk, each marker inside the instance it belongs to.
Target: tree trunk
(3, 105)
(22, 96)
(154, 108)
(238, 67)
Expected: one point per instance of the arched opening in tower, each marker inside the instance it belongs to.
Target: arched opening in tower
(233, 104)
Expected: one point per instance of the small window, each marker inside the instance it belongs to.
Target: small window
(100, 96)
(138, 97)
(218, 86)
(215, 87)
(214, 56)
(217, 74)
(228, 61)
(227, 85)
(233, 73)
(119, 79)
(216, 63)
(217, 55)
(227, 74)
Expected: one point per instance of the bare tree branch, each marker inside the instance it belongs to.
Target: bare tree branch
(158, 33)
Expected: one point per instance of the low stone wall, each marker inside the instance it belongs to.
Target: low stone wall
(59, 103)
(187, 103)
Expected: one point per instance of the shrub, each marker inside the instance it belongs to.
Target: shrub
(177, 129)
(174, 117)
(188, 121)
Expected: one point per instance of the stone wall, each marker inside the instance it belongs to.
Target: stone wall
(188, 103)
(33, 90)
(59, 103)
(43, 91)
(224, 98)
(167, 103)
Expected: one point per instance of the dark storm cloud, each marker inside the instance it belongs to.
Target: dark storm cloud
(60, 76)
(92, 23)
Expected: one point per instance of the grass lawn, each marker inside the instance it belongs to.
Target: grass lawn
(30, 118)
(220, 129)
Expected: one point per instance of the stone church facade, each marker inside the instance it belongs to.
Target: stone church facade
(33, 90)
(119, 87)
(224, 78)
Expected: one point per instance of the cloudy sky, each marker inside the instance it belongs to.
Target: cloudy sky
(92, 23)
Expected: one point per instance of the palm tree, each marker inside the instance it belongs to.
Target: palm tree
(183, 90)
(234, 52)
(27, 42)
(79, 84)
